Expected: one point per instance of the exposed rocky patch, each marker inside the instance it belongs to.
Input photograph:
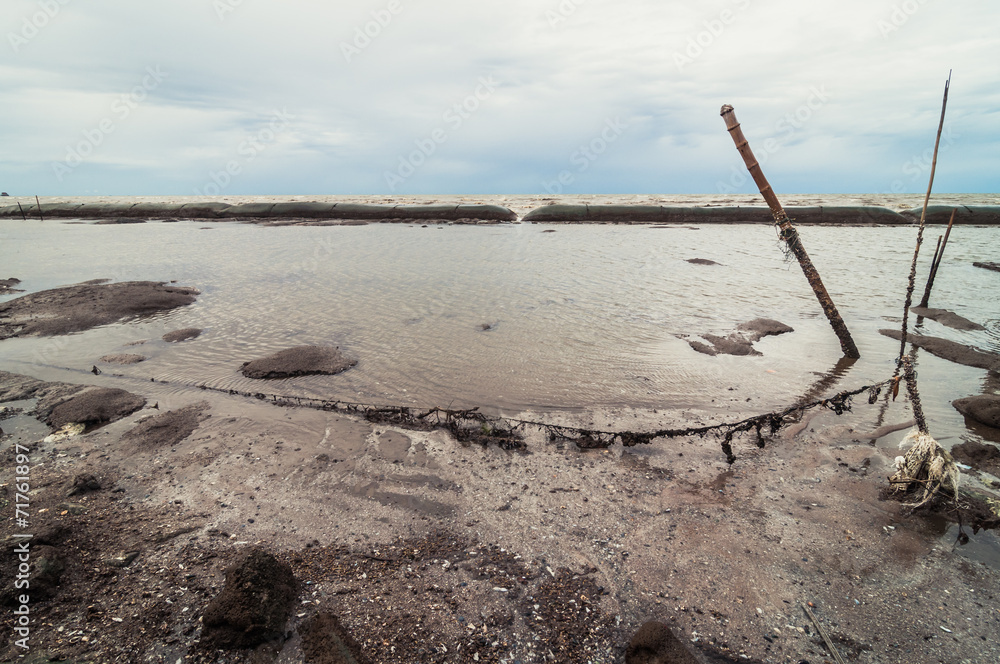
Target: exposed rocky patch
(299, 361)
(254, 605)
(93, 407)
(980, 456)
(7, 286)
(741, 341)
(949, 350)
(123, 358)
(182, 335)
(166, 429)
(947, 318)
(84, 306)
(984, 409)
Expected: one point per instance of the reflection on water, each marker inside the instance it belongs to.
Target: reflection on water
(583, 317)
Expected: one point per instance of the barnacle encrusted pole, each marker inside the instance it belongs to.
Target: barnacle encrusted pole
(789, 234)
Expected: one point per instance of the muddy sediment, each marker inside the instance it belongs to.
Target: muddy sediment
(421, 549)
(741, 341)
(298, 361)
(950, 350)
(184, 334)
(8, 286)
(85, 306)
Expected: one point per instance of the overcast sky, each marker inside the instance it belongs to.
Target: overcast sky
(128, 97)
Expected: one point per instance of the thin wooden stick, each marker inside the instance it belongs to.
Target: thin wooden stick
(923, 219)
(790, 235)
(23, 216)
(936, 263)
(822, 632)
(38, 203)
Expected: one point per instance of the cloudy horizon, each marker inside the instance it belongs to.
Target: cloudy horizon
(398, 97)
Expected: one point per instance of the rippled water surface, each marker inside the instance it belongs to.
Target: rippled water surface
(582, 317)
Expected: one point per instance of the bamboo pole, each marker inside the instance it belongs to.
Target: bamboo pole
(923, 223)
(790, 235)
(936, 263)
(39, 204)
(23, 216)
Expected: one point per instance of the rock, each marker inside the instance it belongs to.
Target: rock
(92, 407)
(166, 429)
(123, 358)
(947, 318)
(65, 432)
(182, 335)
(325, 641)
(254, 605)
(654, 643)
(299, 361)
(84, 306)
(950, 350)
(980, 456)
(701, 261)
(84, 483)
(7, 286)
(741, 341)
(984, 409)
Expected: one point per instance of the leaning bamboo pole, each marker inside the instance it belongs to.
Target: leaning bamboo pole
(936, 263)
(790, 235)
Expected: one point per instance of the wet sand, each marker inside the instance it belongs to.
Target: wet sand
(428, 550)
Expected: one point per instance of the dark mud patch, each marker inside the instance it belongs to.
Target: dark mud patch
(17, 387)
(947, 318)
(950, 350)
(741, 341)
(654, 643)
(7, 286)
(124, 358)
(254, 605)
(325, 641)
(299, 361)
(988, 266)
(182, 335)
(980, 456)
(984, 409)
(85, 306)
(166, 429)
(93, 407)
(701, 261)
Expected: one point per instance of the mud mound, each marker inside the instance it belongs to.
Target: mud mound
(254, 605)
(701, 261)
(299, 361)
(124, 358)
(741, 341)
(7, 286)
(166, 429)
(947, 318)
(984, 409)
(182, 335)
(978, 455)
(654, 643)
(325, 641)
(84, 306)
(949, 350)
(93, 407)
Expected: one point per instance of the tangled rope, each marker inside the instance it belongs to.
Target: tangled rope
(471, 425)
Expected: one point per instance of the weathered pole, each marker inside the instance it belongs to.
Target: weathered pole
(936, 263)
(790, 235)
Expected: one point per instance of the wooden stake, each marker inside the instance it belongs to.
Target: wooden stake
(822, 632)
(790, 235)
(936, 263)
(38, 203)
(23, 216)
(923, 219)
